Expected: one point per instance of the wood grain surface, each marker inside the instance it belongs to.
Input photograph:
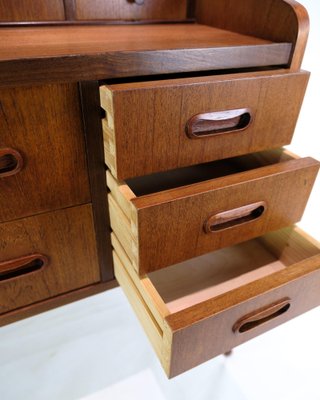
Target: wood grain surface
(78, 53)
(31, 10)
(66, 238)
(146, 122)
(43, 123)
(129, 10)
(168, 227)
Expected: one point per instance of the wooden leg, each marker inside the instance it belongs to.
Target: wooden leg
(228, 353)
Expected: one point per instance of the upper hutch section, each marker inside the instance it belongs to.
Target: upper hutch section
(102, 39)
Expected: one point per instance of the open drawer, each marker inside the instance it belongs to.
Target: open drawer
(166, 218)
(204, 307)
(153, 126)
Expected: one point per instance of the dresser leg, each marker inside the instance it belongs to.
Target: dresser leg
(228, 353)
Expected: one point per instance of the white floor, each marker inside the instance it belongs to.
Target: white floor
(96, 349)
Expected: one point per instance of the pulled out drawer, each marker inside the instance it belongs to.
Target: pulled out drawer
(198, 309)
(161, 125)
(166, 218)
(46, 255)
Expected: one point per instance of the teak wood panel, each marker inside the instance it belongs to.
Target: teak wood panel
(160, 229)
(130, 10)
(145, 124)
(66, 238)
(44, 125)
(277, 20)
(31, 10)
(206, 328)
(42, 54)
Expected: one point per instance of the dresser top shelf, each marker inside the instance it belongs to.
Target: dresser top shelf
(97, 52)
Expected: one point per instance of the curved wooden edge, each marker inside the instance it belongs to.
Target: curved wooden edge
(303, 26)
(276, 20)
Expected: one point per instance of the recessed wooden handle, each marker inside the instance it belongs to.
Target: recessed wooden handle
(234, 217)
(22, 266)
(11, 162)
(138, 2)
(262, 316)
(217, 123)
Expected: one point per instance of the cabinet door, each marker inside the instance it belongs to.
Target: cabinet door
(31, 10)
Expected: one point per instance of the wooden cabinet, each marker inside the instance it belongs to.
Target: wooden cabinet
(151, 133)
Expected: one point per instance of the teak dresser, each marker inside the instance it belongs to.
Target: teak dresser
(142, 140)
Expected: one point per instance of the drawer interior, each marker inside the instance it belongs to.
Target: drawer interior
(206, 277)
(162, 181)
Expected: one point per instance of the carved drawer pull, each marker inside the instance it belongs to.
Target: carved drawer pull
(138, 2)
(217, 123)
(22, 266)
(262, 316)
(11, 162)
(237, 216)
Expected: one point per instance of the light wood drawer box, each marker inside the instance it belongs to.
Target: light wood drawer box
(206, 306)
(42, 151)
(46, 255)
(130, 10)
(161, 125)
(166, 218)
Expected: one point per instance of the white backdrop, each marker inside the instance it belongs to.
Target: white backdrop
(96, 349)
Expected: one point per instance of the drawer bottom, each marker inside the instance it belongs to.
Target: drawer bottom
(203, 307)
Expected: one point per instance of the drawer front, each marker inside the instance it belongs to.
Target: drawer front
(31, 10)
(201, 341)
(42, 151)
(157, 126)
(46, 255)
(130, 10)
(175, 225)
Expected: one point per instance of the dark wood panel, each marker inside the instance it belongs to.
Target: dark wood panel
(94, 140)
(43, 123)
(54, 302)
(31, 10)
(129, 10)
(76, 53)
(66, 238)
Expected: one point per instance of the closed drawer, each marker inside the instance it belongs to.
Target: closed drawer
(42, 151)
(130, 10)
(166, 218)
(204, 307)
(162, 125)
(46, 255)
